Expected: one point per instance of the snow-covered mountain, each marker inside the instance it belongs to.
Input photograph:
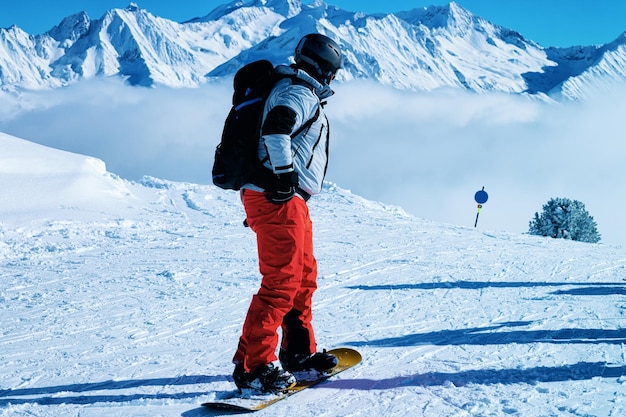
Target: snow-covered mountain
(421, 49)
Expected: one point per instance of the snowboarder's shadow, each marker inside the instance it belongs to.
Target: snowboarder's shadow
(205, 412)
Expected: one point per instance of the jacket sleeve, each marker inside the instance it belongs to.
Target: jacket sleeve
(277, 128)
(286, 109)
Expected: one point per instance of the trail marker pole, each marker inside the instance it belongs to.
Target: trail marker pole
(477, 214)
(481, 198)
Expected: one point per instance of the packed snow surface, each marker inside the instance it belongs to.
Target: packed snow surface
(123, 298)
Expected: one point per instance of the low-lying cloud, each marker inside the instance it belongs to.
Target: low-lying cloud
(426, 152)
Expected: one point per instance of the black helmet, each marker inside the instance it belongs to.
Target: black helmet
(319, 55)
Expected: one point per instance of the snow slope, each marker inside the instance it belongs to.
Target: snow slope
(126, 299)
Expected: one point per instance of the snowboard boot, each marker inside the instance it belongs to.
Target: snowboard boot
(265, 379)
(318, 363)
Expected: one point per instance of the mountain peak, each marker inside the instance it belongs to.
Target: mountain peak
(455, 8)
(132, 7)
(71, 28)
(421, 50)
(450, 15)
(287, 8)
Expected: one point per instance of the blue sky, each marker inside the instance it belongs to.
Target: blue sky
(548, 22)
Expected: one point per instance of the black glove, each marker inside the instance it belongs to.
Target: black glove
(285, 188)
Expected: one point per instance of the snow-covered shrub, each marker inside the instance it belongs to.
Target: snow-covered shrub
(563, 218)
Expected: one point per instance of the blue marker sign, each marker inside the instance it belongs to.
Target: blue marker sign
(481, 198)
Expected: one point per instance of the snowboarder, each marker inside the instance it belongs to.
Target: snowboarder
(276, 209)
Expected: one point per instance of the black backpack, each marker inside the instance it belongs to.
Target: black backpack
(236, 157)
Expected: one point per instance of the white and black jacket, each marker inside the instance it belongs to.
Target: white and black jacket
(295, 132)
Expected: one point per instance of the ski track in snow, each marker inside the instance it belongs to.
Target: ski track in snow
(137, 312)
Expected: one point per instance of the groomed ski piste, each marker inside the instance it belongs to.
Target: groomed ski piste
(122, 298)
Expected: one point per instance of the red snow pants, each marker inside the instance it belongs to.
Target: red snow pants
(289, 278)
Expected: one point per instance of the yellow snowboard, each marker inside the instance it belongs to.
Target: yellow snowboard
(236, 402)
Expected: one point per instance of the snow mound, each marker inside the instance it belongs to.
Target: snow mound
(37, 180)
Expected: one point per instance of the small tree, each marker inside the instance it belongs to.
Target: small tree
(563, 218)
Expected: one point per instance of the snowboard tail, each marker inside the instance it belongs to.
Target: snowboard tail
(245, 403)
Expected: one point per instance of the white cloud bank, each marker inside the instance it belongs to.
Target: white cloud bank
(427, 152)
